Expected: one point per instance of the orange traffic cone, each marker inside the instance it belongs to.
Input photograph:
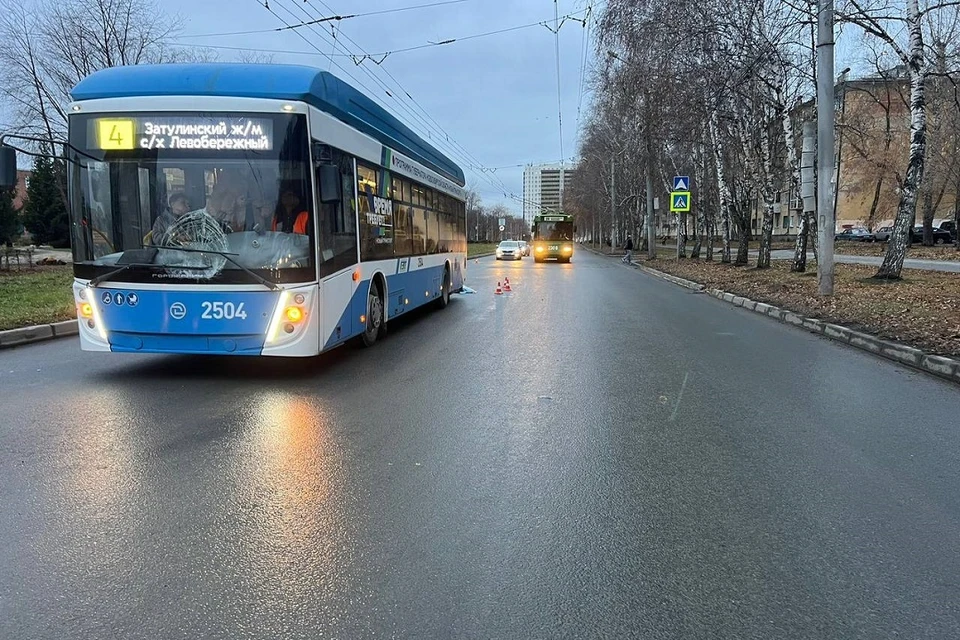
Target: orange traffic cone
(506, 281)
(506, 285)
(499, 291)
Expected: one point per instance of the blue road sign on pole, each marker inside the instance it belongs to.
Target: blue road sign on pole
(681, 183)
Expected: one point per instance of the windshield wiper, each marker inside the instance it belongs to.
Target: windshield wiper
(131, 265)
(253, 274)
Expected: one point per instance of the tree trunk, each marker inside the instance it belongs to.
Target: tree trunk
(724, 190)
(766, 237)
(725, 251)
(813, 233)
(710, 229)
(743, 244)
(766, 230)
(907, 208)
(928, 219)
(698, 231)
(956, 226)
(681, 236)
(803, 242)
(800, 248)
(876, 200)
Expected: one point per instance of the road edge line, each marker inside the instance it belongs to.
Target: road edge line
(943, 367)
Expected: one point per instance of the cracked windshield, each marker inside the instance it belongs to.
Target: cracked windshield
(479, 319)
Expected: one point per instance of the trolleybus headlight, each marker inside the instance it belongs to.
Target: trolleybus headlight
(278, 313)
(94, 321)
(568, 249)
(539, 248)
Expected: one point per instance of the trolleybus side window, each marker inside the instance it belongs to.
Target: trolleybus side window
(376, 216)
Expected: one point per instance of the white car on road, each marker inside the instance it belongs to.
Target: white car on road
(509, 250)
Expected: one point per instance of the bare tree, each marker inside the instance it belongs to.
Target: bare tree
(908, 28)
(46, 50)
(254, 57)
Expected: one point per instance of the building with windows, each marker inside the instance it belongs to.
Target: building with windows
(872, 145)
(543, 188)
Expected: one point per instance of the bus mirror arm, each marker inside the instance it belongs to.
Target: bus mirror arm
(8, 166)
(328, 176)
(8, 156)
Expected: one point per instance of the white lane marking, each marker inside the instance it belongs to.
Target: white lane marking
(679, 396)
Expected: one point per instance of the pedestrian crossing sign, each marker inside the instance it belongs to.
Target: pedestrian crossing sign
(679, 201)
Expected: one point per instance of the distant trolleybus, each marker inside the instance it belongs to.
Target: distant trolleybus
(252, 210)
(553, 237)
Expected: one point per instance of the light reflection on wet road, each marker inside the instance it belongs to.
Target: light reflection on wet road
(597, 454)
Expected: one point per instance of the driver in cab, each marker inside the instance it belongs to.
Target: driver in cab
(290, 216)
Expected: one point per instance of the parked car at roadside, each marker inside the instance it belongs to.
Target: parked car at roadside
(940, 236)
(882, 234)
(855, 235)
(950, 227)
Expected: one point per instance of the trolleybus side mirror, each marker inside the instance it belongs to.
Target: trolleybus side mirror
(329, 176)
(8, 167)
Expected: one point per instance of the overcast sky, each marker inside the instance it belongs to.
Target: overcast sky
(496, 96)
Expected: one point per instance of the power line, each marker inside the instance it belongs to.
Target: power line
(387, 91)
(583, 60)
(476, 170)
(382, 55)
(335, 18)
(455, 148)
(556, 40)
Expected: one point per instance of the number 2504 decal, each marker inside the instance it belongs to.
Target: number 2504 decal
(222, 311)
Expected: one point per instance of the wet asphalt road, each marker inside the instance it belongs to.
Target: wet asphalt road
(598, 455)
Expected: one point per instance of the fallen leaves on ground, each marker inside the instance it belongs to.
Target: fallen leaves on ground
(915, 252)
(922, 309)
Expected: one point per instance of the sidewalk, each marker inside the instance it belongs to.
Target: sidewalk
(946, 266)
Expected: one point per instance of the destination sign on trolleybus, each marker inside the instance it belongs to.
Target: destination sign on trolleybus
(181, 132)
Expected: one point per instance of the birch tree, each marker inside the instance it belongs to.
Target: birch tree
(906, 28)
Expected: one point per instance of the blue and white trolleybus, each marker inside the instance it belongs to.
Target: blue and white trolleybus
(252, 210)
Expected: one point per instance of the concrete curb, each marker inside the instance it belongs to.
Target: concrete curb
(940, 366)
(689, 284)
(38, 333)
(481, 255)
